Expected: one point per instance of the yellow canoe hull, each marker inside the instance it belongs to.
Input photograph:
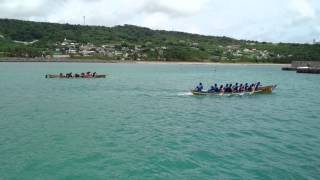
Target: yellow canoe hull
(267, 89)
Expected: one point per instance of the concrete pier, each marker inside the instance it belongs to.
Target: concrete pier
(312, 67)
(309, 70)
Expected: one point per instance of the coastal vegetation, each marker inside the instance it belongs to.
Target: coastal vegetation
(36, 39)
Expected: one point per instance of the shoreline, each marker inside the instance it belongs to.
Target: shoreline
(68, 60)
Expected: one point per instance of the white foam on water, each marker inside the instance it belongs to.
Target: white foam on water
(185, 94)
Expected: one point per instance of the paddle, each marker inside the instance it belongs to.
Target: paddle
(274, 86)
(252, 92)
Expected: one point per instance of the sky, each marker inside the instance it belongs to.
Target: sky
(261, 20)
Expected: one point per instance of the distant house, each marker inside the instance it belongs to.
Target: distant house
(67, 40)
(247, 51)
(137, 47)
(234, 47)
(58, 54)
(109, 54)
(118, 53)
(72, 51)
(87, 53)
(108, 46)
(61, 56)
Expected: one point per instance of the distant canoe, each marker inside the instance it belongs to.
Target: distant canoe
(261, 90)
(64, 77)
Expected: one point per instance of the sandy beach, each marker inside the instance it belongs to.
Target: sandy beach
(205, 63)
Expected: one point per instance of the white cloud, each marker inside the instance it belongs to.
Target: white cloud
(304, 8)
(156, 21)
(266, 20)
(174, 8)
(24, 9)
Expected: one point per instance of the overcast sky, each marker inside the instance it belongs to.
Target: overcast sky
(263, 20)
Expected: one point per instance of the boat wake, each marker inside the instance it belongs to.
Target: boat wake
(185, 94)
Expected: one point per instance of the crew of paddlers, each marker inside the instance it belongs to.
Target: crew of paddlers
(230, 88)
(81, 75)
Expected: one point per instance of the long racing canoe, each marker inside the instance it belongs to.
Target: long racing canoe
(73, 77)
(260, 90)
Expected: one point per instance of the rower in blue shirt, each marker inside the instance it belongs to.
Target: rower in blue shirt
(230, 88)
(226, 88)
(221, 89)
(216, 88)
(246, 86)
(241, 88)
(199, 88)
(257, 86)
(236, 88)
(211, 90)
(251, 87)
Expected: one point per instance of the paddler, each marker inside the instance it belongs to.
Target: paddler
(251, 88)
(216, 89)
(241, 88)
(211, 90)
(257, 86)
(226, 88)
(236, 88)
(199, 88)
(221, 90)
(88, 75)
(246, 86)
(230, 88)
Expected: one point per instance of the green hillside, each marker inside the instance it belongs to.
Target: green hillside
(32, 39)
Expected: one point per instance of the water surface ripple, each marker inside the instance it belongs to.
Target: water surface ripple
(142, 123)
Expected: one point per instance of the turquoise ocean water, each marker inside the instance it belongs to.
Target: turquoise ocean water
(142, 123)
